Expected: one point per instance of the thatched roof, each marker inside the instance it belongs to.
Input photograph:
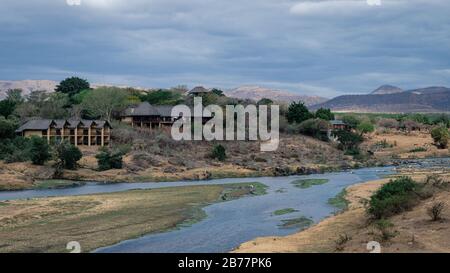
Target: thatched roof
(36, 124)
(199, 90)
(44, 124)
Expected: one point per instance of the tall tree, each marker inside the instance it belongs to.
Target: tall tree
(9, 105)
(39, 150)
(298, 112)
(103, 102)
(325, 114)
(14, 95)
(72, 86)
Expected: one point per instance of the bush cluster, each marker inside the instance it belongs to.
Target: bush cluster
(394, 197)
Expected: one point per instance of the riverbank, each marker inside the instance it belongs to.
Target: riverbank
(48, 224)
(189, 161)
(297, 155)
(350, 231)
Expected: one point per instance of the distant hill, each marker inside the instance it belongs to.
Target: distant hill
(430, 99)
(256, 93)
(27, 86)
(387, 89)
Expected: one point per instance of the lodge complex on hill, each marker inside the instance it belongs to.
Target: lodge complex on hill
(98, 132)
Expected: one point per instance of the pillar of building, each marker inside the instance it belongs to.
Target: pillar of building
(89, 136)
(103, 136)
(76, 136)
(48, 135)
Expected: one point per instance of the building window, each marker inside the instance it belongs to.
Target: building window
(72, 132)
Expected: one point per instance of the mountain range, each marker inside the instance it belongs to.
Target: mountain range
(257, 92)
(386, 98)
(27, 86)
(390, 99)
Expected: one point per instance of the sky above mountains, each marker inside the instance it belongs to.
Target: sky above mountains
(324, 48)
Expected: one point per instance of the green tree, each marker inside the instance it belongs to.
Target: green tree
(348, 140)
(218, 92)
(109, 160)
(440, 136)
(55, 107)
(7, 107)
(298, 112)
(7, 128)
(15, 95)
(72, 86)
(162, 97)
(103, 102)
(324, 114)
(36, 101)
(219, 153)
(265, 101)
(351, 121)
(317, 128)
(68, 155)
(39, 150)
(365, 128)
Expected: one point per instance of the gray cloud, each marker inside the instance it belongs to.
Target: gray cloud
(310, 47)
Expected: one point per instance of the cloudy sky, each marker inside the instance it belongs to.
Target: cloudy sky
(322, 48)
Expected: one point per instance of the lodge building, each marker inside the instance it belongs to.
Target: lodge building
(150, 116)
(77, 132)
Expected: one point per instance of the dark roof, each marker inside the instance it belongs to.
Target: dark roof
(164, 110)
(337, 122)
(146, 109)
(44, 124)
(143, 109)
(61, 123)
(199, 89)
(36, 124)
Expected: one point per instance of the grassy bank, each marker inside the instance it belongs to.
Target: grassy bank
(48, 224)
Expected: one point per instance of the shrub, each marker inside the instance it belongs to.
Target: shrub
(418, 150)
(341, 241)
(15, 150)
(316, 128)
(219, 153)
(39, 150)
(365, 127)
(440, 136)
(351, 120)
(394, 197)
(435, 211)
(385, 228)
(389, 123)
(324, 114)
(68, 155)
(108, 160)
(348, 140)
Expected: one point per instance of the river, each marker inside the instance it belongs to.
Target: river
(228, 224)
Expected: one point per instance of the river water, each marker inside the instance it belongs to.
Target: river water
(228, 224)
